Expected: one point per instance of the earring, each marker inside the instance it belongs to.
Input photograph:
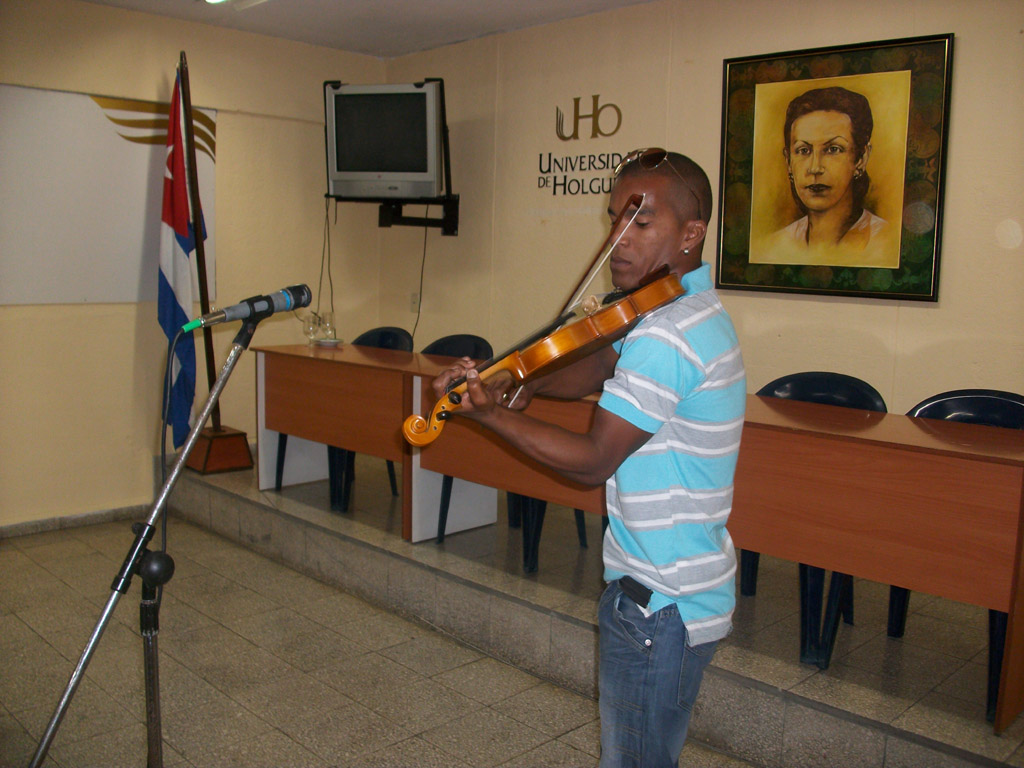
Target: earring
(686, 250)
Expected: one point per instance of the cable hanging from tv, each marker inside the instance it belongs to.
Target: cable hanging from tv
(388, 144)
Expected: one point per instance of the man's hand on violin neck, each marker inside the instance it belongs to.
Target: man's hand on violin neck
(445, 379)
(501, 386)
(481, 397)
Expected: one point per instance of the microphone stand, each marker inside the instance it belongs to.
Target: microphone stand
(155, 568)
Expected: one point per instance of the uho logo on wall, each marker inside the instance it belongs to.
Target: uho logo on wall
(596, 111)
(581, 174)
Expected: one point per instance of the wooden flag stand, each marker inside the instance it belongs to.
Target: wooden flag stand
(218, 448)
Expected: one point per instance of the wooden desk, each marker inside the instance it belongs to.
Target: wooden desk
(350, 394)
(929, 505)
(356, 398)
(350, 397)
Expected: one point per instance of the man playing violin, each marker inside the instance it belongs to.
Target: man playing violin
(664, 439)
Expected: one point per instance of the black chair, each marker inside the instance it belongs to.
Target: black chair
(455, 345)
(817, 638)
(340, 462)
(385, 337)
(528, 514)
(991, 408)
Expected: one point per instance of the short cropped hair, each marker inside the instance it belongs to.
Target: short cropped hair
(687, 181)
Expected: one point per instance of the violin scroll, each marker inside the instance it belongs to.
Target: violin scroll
(420, 431)
(416, 431)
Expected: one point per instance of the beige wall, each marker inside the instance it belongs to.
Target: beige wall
(79, 423)
(80, 385)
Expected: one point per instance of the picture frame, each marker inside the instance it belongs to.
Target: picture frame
(833, 167)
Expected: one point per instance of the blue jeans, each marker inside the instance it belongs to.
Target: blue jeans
(647, 683)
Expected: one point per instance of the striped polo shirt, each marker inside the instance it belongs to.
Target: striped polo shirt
(680, 377)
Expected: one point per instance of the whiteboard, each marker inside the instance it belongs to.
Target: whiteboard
(81, 196)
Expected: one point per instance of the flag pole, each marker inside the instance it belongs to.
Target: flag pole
(197, 217)
(220, 448)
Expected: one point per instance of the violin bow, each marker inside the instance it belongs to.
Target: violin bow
(614, 236)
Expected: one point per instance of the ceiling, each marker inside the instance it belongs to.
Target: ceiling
(381, 28)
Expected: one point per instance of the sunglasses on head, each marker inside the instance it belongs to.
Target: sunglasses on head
(651, 158)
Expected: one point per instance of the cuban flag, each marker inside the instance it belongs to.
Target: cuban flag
(174, 295)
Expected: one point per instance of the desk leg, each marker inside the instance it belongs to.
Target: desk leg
(581, 527)
(446, 499)
(749, 562)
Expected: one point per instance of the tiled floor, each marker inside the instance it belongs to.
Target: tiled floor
(263, 666)
(260, 666)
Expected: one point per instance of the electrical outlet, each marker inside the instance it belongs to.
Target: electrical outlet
(414, 302)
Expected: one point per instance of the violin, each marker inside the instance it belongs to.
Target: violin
(560, 344)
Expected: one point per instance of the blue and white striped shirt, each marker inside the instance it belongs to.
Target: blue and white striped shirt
(680, 377)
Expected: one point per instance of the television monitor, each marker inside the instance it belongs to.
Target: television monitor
(384, 141)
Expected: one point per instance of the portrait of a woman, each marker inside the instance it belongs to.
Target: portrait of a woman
(827, 145)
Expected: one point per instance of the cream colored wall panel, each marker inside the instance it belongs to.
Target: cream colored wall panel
(82, 401)
(80, 387)
(271, 175)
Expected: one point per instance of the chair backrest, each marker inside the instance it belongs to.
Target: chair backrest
(386, 337)
(460, 345)
(990, 407)
(827, 388)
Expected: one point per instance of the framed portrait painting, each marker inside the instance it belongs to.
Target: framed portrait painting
(832, 169)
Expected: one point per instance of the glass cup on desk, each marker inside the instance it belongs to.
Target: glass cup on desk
(327, 325)
(311, 326)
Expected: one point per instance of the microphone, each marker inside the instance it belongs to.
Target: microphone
(258, 307)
